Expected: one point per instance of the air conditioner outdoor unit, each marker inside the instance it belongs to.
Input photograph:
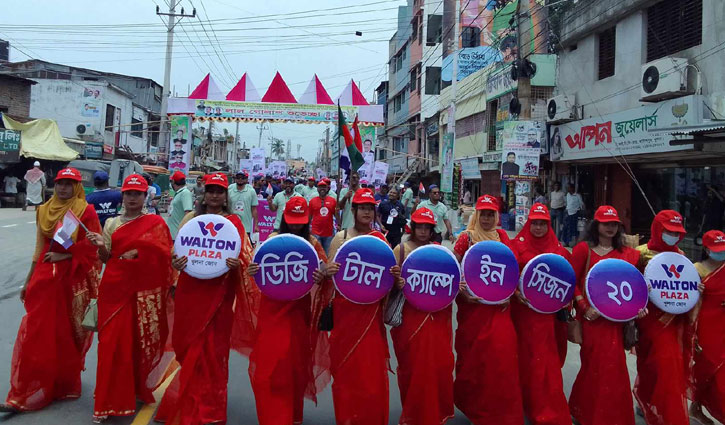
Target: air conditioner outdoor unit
(664, 79)
(83, 129)
(561, 108)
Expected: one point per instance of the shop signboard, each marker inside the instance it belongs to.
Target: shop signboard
(499, 82)
(628, 132)
(469, 168)
(9, 145)
(94, 150)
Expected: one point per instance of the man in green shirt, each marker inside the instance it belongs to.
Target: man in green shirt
(345, 203)
(407, 198)
(440, 211)
(243, 202)
(310, 191)
(280, 200)
(182, 203)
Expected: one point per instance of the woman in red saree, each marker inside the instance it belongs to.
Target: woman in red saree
(132, 325)
(539, 368)
(423, 345)
(51, 346)
(281, 363)
(661, 385)
(709, 374)
(601, 394)
(486, 388)
(201, 336)
(358, 342)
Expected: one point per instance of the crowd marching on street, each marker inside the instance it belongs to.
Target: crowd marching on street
(500, 364)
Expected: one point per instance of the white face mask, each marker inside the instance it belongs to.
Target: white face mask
(717, 256)
(670, 240)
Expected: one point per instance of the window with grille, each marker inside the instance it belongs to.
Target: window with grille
(136, 128)
(435, 26)
(470, 125)
(413, 78)
(433, 80)
(673, 26)
(492, 108)
(471, 37)
(607, 52)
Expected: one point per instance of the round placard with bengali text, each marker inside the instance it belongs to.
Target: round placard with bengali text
(491, 271)
(673, 281)
(616, 289)
(207, 241)
(547, 282)
(432, 276)
(286, 263)
(364, 276)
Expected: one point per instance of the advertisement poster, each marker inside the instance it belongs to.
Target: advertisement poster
(446, 161)
(258, 164)
(180, 146)
(380, 175)
(265, 220)
(91, 103)
(245, 165)
(278, 169)
(469, 168)
(521, 150)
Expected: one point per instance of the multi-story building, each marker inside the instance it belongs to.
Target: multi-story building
(15, 95)
(118, 111)
(638, 122)
(413, 85)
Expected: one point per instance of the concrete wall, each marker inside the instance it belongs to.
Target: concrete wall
(15, 96)
(578, 68)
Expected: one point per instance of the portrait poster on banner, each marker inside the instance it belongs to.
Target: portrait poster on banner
(521, 150)
(265, 220)
(258, 161)
(367, 134)
(278, 169)
(380, 175)
(180, 144)
(446, 161)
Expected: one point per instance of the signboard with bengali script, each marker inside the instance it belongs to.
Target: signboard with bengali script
(616, 289)
(286, 263)
(432, 277)
(207, 241)
(9, 145)
(364, 276)
(491, 271)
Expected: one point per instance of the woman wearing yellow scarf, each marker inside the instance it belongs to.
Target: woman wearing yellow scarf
(51, 345)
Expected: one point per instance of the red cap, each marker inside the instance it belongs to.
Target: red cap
(323, 182)
(311, 178)
(218, 179)
(487, 202)
(607, 214)
(364, 196)
(539, 212)
(178, 175)
(70, 174)
(423, 216)
(295, 211)
(714, 240)
(135, 182)
(672, 221)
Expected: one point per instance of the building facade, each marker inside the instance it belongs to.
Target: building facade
(647, 106)
(15, 95)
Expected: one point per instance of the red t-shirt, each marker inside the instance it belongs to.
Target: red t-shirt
(322, 215)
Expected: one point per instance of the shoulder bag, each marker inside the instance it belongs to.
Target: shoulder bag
(90, 317)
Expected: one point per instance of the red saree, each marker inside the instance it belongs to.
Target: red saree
(201, 338)
(539, 356)
(423, 344)
(132, 325)
(709, 374)
(486, 388)
(601, 394)
(359, 359)
(51, 345)
(281, 363)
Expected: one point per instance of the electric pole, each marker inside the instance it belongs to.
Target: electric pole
(261, 128)
(172, 15)
(524, 28)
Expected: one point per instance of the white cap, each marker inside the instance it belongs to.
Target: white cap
(36, 164)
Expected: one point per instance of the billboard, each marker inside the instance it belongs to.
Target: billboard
(521, 150)
(180, 145)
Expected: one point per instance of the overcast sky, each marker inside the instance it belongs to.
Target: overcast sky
(299, 38)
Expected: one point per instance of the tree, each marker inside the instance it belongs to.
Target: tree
(277, 147)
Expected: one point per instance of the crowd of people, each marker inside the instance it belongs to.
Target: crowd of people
(503, 366)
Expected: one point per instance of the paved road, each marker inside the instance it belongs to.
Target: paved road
(17, 233)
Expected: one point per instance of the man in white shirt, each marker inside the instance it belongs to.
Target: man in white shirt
(34, 186)
(557, 202)
(574, 206)
(11, 186)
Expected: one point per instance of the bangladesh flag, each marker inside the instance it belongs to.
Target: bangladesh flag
(352, 154)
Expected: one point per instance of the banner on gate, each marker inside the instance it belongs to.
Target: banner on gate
(616, 290)
(286, 263)
(547, 282)
(207, 241)
(432, 276)
(364, 276)
(673, 279)
(491, 271)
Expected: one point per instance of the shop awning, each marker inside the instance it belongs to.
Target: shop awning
(706, 128)
(41, 139)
